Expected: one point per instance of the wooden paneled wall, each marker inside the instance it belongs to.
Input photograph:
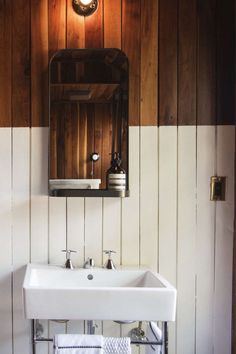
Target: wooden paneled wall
(181, 55)
(181, 72)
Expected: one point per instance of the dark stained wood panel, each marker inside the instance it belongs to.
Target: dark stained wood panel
(98, 138)
(94, 28)
(149, 48)
(21, 75)
(225, 62)
(131, 45)
(5, 63)
(53, 142)
(112, 24)
(69, 131)
(39, 63)
(56, 25)
(75, 28)
(82, 154)
(206, 63)
(196, 65)
(167, 73)
(187, 63)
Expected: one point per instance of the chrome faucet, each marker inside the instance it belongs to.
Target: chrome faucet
(68, 263)
(89, 263)
(109, 263)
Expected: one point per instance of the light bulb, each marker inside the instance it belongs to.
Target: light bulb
(86, 2)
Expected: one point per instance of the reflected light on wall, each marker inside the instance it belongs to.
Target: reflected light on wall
(85, 7)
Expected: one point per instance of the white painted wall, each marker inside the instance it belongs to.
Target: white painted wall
(168, 224)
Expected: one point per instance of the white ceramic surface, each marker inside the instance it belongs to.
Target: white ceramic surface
(53, 292)
(74, 184)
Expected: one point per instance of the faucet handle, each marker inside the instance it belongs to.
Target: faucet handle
(68, 263)
(109, 263)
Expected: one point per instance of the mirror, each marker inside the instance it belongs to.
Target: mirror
(88, 122)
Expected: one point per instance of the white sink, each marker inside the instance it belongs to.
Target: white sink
(53, 292)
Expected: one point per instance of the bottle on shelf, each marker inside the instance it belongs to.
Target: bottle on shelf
(116, 175)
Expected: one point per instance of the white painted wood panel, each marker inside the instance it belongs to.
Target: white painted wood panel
(93, 229)
(186, 240)
(148, 197)
(168, 212)
(130, 206)
(20, 232)
(39, 195)
(130, 217)
(93, 224)
(205, 239)
(57, 230)
(224, 242)
(5, 242)
(75, 241)
(93, 235)
(75, 229)
(111, 241)
(57, 242)
(112, 228)
(39, 206)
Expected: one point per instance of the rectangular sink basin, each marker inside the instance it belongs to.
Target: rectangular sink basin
(53, 292)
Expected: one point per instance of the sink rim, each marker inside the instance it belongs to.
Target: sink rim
(115, 302)
(30, 266)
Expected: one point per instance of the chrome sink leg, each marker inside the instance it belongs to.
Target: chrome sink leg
(91, 326)
(165, 338)
(33, 334)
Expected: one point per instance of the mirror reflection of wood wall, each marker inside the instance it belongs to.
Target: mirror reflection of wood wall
(88, 112)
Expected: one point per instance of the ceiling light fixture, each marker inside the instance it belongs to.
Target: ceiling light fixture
(85, 7)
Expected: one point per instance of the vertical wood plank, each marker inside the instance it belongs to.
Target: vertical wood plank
(57, 242)
(168, 212)
(186, 246)
(5, 62)
(148, 196)
(224, 242)
(130, 206)
(112, 23)
(75, 31)
(98, 139)
(112, 227)
(130, 215)
(39, 63)
(20, 63)
(111, 207)
(93, 235)
(149, 44)
(20, 233)
(68, 137)
(94, 28)
(75, 241)
(206, 63)
(187, 60)
(57, 28)
(93, 229)
(57, 230)
(82, 141)
(39, 195)
(131, 45)
(75, 229)
(111, 241)
(205, 240)
(225, 62)
(167, 72)
(5, 243)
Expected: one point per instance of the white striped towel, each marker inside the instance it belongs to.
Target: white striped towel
(78, 344)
